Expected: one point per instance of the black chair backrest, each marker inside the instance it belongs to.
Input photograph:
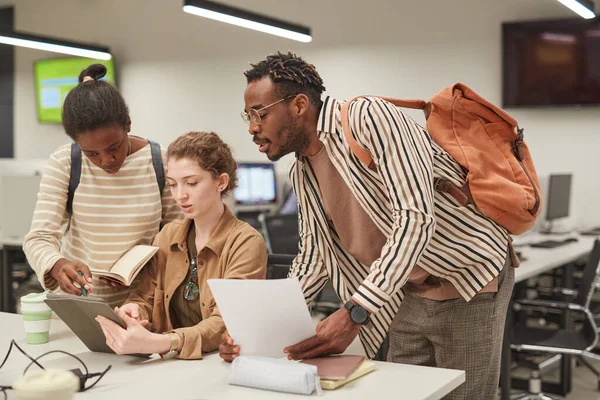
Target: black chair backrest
(586, 290)
(278, 265)
(252, 218)
(282, 233)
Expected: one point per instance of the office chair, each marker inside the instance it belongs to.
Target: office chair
(327, 301)
(555, 293)
(278, 265)
(282, 237)
(281, 233)
(562, 341)
(252, 218)
(560, 284)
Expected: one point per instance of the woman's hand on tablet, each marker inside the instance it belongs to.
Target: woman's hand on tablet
(132, 310)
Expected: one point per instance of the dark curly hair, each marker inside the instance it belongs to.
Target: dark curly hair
(210, 151)
(290, 74)
(93, 104)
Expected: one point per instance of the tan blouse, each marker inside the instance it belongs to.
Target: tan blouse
(234, 251)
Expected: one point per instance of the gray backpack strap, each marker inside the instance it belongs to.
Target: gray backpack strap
(75, 175)
(157, 163)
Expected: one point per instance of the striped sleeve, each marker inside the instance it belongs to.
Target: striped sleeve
(42, 244)
(170, 209)
(404, 159)
(308, 266)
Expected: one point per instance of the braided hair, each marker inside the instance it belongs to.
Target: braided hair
(290, 74)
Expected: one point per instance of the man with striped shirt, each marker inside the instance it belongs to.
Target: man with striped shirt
(405, 259)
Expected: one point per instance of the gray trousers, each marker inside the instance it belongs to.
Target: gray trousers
(456, 334)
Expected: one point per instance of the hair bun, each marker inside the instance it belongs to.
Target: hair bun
(94, 71)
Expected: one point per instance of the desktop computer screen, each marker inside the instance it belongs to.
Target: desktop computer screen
(559, 197)
(256, 184)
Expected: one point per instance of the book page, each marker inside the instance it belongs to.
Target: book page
(109, 276)
(131, 262)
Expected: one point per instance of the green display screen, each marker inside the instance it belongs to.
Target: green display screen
(54, 79)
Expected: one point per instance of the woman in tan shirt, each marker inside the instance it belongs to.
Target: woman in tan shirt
(174, 297)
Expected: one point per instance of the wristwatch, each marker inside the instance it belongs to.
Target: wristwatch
(358, 314)
(172, 353)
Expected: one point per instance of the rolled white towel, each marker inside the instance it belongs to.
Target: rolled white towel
(279, 375)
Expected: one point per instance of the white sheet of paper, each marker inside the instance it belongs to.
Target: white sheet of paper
(263, 316)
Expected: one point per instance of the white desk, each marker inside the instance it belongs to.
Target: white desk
(132, 377)
(542, 260)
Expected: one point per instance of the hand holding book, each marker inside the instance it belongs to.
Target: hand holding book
(124, 271)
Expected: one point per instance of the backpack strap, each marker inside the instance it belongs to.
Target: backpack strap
(363, 155)
(157, 163)
(74, 176)
(461, 194)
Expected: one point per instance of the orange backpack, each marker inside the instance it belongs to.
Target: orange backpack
(484, 139)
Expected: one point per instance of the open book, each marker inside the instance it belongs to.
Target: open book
(128, 266)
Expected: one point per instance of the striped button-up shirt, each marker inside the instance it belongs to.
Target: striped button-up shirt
(423, 227)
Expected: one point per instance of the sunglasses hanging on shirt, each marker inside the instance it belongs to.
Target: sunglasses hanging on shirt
(192, 291)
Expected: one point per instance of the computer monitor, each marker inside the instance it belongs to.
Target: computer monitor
(559, 196)
(256, 184)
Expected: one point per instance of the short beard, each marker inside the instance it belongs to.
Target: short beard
(296, 142)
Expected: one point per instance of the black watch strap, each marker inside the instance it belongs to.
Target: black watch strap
(348, 305)
(358, 314)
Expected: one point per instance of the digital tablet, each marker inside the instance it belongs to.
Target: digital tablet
(79, 314)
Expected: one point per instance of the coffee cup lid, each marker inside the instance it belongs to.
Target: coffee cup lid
(35, 297)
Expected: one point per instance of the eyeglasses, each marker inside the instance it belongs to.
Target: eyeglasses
(192, 291)
(254, 116)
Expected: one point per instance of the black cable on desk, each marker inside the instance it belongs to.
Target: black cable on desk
(82, 377)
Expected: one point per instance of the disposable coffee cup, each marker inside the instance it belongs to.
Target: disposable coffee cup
(36, 317)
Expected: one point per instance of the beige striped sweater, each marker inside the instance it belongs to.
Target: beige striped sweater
(111, 213)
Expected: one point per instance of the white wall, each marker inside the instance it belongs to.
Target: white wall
(180, 72)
